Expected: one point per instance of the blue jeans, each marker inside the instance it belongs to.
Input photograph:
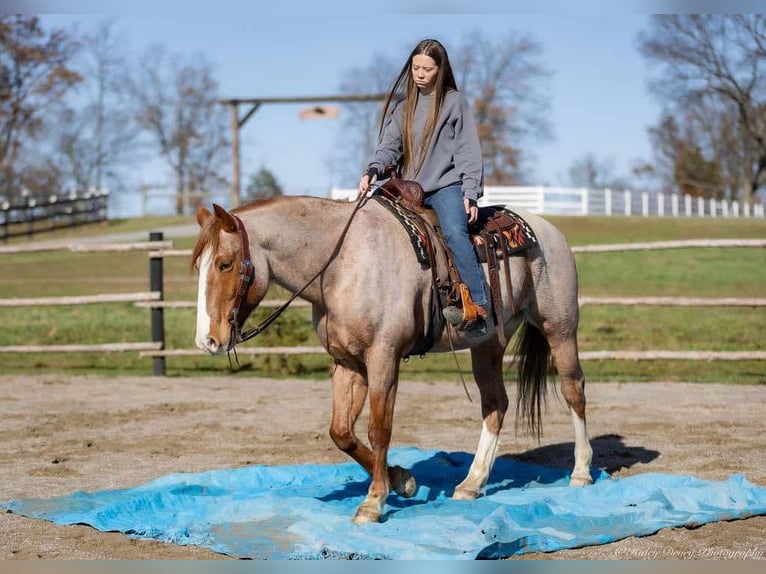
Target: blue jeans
(449, 207)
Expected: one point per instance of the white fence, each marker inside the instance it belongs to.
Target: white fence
(584, 201)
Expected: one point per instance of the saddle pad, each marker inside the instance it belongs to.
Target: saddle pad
(405, 218)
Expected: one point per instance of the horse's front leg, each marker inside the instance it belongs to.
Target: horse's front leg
(383, 374)
(349, 396)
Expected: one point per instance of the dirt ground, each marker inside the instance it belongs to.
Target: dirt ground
(61, 434)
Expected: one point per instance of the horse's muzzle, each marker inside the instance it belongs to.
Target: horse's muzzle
(211, 346)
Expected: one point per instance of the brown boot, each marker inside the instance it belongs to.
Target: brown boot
(469, 316)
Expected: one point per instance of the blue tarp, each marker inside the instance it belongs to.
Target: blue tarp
(304, 511)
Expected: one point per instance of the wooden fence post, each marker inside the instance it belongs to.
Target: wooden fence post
(158, 318)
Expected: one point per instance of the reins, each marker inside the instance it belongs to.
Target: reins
(247, 279)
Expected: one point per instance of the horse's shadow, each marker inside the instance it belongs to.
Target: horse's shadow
(610, 454)
(438, 475)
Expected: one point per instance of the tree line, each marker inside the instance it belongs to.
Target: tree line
(76, 112)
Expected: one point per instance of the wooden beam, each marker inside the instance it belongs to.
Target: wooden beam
(686, 243)
(234, 199)
(87, 247)
(237, 123)
(340, 98)
(676, 301)
(193, 304)
(240, 351)
(584, 355)
(98, 348)
(674, 355)
(82, 299)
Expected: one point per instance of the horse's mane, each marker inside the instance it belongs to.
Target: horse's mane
(209, 235)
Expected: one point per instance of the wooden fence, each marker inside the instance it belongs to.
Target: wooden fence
(154, 301)
(30, 215)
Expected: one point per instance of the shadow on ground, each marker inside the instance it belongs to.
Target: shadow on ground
(610, 454)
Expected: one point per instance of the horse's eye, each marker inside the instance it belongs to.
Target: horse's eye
(225, 266)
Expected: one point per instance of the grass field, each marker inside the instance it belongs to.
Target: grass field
(709, 272)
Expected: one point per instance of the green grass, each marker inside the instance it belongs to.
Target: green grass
(712, 272)
(708, 272)
(600, 230)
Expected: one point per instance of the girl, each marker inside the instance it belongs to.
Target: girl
(428, 130)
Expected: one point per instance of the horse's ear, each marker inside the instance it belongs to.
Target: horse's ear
(203, 215)
(226, 218)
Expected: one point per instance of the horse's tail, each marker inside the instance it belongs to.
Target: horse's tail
(534, 366)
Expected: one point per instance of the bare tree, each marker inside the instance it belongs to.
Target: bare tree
(361, 120)
(681, 158)
(177, 105)
(93, 135)
(593, 173)
(506, 82)
(34, 73)
(720, 57)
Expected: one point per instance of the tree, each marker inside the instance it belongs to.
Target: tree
(506, 81)
(361, 120)
(682, 159)
(717, 63)
(93, 135)
(590, 172)
(177, 104)
(263, 185)
(34, 74)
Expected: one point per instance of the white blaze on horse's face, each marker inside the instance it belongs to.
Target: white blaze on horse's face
(202, 335)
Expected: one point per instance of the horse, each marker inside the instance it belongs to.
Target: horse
(370, 302)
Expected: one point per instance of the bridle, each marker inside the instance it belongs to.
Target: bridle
(247, 278)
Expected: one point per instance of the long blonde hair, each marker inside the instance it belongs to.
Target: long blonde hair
(404, 88)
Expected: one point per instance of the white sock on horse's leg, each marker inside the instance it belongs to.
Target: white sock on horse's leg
(583, 453)
(474, 483)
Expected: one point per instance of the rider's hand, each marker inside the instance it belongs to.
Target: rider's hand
(367, 181)
(471, 210)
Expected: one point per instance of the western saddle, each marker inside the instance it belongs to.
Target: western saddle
(497, 234)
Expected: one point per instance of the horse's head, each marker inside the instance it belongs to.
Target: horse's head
(232, 281)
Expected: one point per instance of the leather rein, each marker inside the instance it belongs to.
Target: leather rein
(247, 278)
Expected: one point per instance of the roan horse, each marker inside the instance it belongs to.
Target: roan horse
(370, 307)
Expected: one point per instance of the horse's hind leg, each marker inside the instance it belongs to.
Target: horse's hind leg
(570, 372)
(487, 361)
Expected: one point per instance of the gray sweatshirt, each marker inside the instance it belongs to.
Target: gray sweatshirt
(454, 155)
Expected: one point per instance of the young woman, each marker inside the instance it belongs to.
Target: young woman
(428, 130)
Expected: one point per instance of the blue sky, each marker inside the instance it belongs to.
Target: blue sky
(598, 90)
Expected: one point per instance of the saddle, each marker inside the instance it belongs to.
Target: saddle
(497, 234)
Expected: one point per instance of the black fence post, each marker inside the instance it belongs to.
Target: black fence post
(158, 317)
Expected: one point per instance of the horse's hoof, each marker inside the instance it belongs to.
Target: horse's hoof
(402, 482)
(465, 494)
(365, 515)
(580, 480)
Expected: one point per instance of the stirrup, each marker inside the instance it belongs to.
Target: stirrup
(453, 315)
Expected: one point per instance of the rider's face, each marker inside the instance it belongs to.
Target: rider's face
(424, 70)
